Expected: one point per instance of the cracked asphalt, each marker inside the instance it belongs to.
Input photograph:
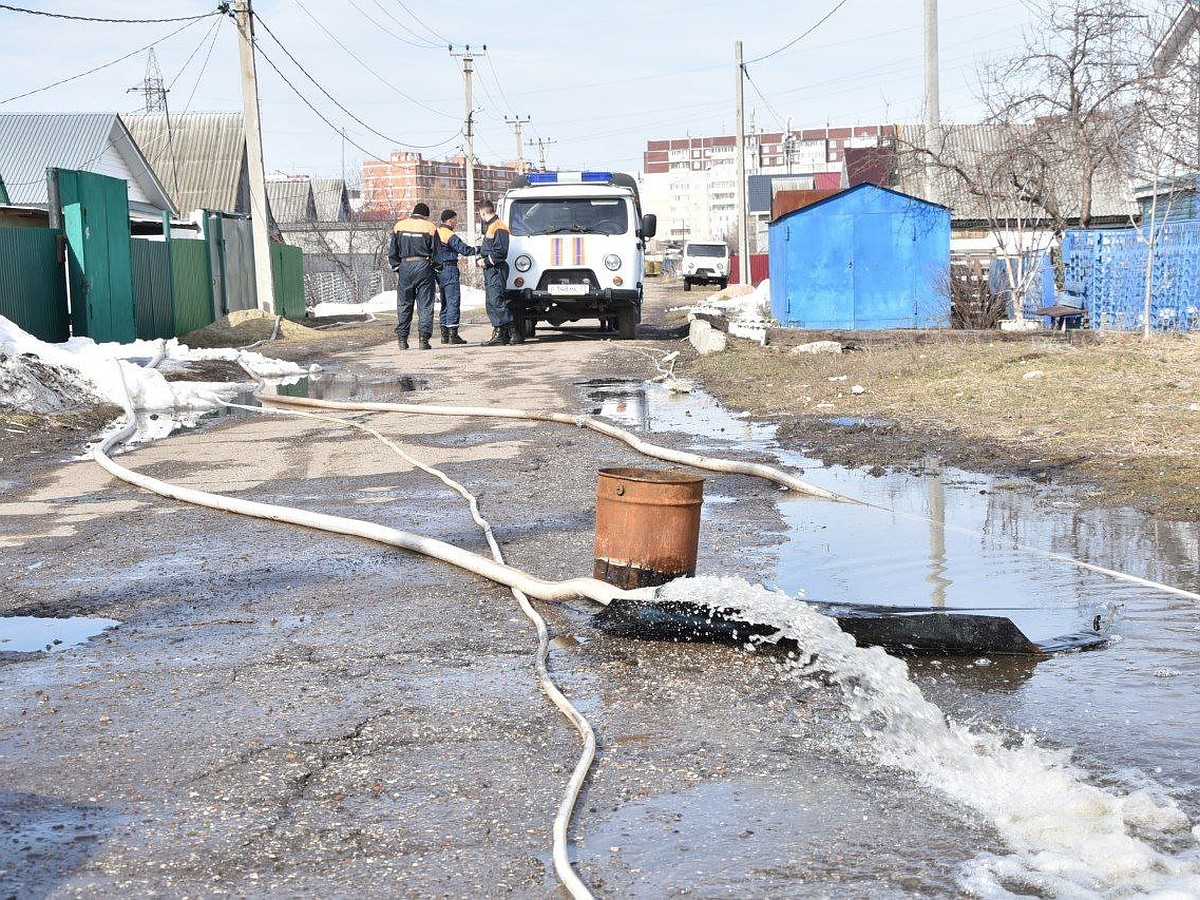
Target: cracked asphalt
(284, 712)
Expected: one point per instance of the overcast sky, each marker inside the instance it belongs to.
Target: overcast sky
(600, 78)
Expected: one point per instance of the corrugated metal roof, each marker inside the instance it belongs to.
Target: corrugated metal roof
(983, 150)
(332, 199)
(291, 200)
(202, 161)
(88, 142)
(761, 188)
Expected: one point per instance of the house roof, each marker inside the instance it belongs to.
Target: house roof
(3, 192)
(201, 160)
(90, 142)
(988, 151)
(291, 200)
(332, 199)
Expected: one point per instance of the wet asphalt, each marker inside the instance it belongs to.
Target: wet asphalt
(283, 712)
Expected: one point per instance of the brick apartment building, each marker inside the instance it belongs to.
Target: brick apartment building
(391, 187)
(691, 182)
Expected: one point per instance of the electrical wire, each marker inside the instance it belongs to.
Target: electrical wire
(419, 21)
(801, 36)
(51, 15)
(357, 59)
(166, 37)
(331, 98)
(391, 17)
(422, 46)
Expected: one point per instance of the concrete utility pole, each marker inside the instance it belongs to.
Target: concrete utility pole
(743, 236)
(933, 113)
(468, 62)
(542, 144)
(517, 122)
(260, 215)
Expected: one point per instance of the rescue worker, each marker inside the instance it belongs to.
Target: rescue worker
(493, 251)
(411, 250)
(446, 267)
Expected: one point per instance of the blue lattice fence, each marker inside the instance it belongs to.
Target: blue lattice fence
(1104, 271)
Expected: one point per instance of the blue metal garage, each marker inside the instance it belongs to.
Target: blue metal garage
(867, 257)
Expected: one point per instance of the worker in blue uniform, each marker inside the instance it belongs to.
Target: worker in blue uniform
(446, 267)
(411, 251)
(493, 251)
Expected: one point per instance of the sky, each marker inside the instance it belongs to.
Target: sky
(597, 78)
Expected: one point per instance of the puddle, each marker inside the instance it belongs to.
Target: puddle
(856, 422)
(32, 634)
(949, 542)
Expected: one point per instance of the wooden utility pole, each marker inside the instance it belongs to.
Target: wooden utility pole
(743, 236)
(517, 123)
(468, 62)
(260, 215)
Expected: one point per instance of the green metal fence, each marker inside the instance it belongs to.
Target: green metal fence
(151, 272)
(192, 286)
(33, 290)
(287, 275)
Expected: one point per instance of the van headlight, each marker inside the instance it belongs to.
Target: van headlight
(612, 262)
(523, 263)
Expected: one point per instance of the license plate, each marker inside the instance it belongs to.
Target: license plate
(568, 290)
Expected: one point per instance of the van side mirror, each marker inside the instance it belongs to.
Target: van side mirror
(649, 225)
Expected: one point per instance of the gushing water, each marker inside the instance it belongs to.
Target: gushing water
(1068, 837)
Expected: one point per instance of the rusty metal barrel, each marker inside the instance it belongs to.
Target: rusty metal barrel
(647, 526)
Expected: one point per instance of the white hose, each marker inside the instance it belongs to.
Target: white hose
(695, 460)
(709, 463)
(562, 863)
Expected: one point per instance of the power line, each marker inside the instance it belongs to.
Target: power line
(51, 15)
(766, 102)
(419, 21)
(426, 45)
(426, 41)
(379, 77)
(800, 37)
(106, 65)
(334, 101)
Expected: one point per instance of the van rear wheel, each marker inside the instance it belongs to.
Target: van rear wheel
(627, 323)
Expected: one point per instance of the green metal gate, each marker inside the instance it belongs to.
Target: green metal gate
(95, 211)
(287, 274)
(151, 262)
(192, 285)
(33, 291)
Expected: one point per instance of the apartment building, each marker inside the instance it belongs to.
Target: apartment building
(390, 187)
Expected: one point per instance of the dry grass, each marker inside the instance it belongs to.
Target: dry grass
(1126, 411)
(245, 327)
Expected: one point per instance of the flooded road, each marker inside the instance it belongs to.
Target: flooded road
(1128, 713)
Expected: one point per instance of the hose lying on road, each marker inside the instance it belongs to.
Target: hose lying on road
(566, 810)
(695, 460)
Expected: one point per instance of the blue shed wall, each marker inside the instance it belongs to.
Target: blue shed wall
(866, 258)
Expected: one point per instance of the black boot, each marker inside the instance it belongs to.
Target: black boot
(516, 333)
(445, 335)
(425, 341)
(402, 341)
(499, 336)
(454, 338)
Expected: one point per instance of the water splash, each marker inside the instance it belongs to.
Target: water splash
(1067, 836)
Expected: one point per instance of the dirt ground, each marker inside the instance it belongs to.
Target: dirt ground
(1115, 411)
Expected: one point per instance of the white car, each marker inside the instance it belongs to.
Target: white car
(577, 249)
(705, 263)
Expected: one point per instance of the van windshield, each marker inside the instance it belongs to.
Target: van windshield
(568, 215)
(717, 250)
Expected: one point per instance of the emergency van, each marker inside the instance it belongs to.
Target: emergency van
(577, 249)
(705, 263)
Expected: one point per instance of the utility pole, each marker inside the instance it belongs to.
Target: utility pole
(260, 215)
(468, 62)
(933, 114)
(517, 122)
(743, 237)
(542, 144)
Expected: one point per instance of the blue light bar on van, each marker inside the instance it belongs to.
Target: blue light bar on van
(569, 177)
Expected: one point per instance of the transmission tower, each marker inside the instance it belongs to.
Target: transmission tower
(152, 89)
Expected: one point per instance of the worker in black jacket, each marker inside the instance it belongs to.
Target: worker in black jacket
(493, 251)
(411, 251)
(446, 266)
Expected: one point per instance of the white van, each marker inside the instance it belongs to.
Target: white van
(705, 263)
(577, 249)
